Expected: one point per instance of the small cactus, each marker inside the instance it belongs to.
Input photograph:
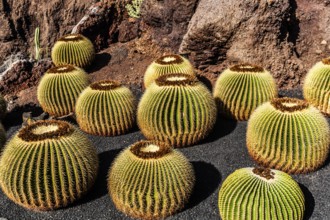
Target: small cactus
(59, 89)
(106, 108)
(317, 86)
(74, 49)
(168, 64)
(289, 135)
(176, 109)
(259, 193)
(241, 89)
(150, 180)
(3, 107)
(47, 165)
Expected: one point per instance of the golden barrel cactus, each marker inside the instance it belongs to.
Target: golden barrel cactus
(150, 180)
(289, 135)
(106, 108)
(47, 165)
(240, 89)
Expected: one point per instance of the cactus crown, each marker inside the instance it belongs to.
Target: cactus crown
(42, 130)
(289, 104)
(264, 172)
(61, 69)
(150, 149)
(247, 68)
(71, 37)
(326, 61)
(105, 85)
(176, 79)
(169, 59)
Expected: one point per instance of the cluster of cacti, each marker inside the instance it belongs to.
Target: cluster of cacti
(177, 109)
(150, 180)
(106, 108)
(168, 64)
(317, 86)
(74, 49)
(263, 194)
(59, 89)
(289, 135)
(47, 165)
(240, 89)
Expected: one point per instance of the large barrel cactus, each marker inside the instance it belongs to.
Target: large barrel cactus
(150, 180)
(317, 86)
(242, 88)
(47, 165)
(106, 108)
(167, 64)
(59, 89)
(177, 109)
(263, 194)
(289, 135)
(74, 49)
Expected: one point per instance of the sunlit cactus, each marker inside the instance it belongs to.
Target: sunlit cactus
(167, 64)
(150, 180)
(176, 109)
(106, 108)
(74, 49)
(317, 86)
(259, 193)
(242, 88)
(289, 135)
(59, 88)
(3, 107)
(47, 165)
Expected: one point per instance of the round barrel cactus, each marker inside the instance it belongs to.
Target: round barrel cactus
(150, 180)
(74, 49)
(176, 109)
(289, 135)
(167, 64)
(260, 193)
(242, 88)
(59, 88)
(3, 107)
(106, 108)
(317, 86)
(47, 165)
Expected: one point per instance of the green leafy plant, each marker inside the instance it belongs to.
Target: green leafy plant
(133, 9)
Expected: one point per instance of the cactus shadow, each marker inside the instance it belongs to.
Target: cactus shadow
(101, 60)
(223, 126)
(205, 81)
(309, 201)
(208, 179)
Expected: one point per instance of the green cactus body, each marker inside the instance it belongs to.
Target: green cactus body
(242, 88)
(3, 107)
(150, 180)
(165, 65)
(74, 49)
(59, 88)
(289, 135)
(106, 108)
(2, 136)
(317, 86)
(176, 109)
(47, 165)
(260, 194)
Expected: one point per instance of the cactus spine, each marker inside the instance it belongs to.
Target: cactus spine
(168, 64)
(47, 165)
(106, 108)
(59, 89)
(242, 88)
(74, 49)
(176, 109)
(317, 86)
(150, 180)
(263, 194)
(289, 135)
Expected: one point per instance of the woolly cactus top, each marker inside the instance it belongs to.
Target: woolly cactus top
(247, 68)
(289, 104)
(176, 79)
(71, 37)
(43, 130)
(265, 173)
(61, 69)
(326, 61)
(105, 85)
(169, 59)
(150, 149)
